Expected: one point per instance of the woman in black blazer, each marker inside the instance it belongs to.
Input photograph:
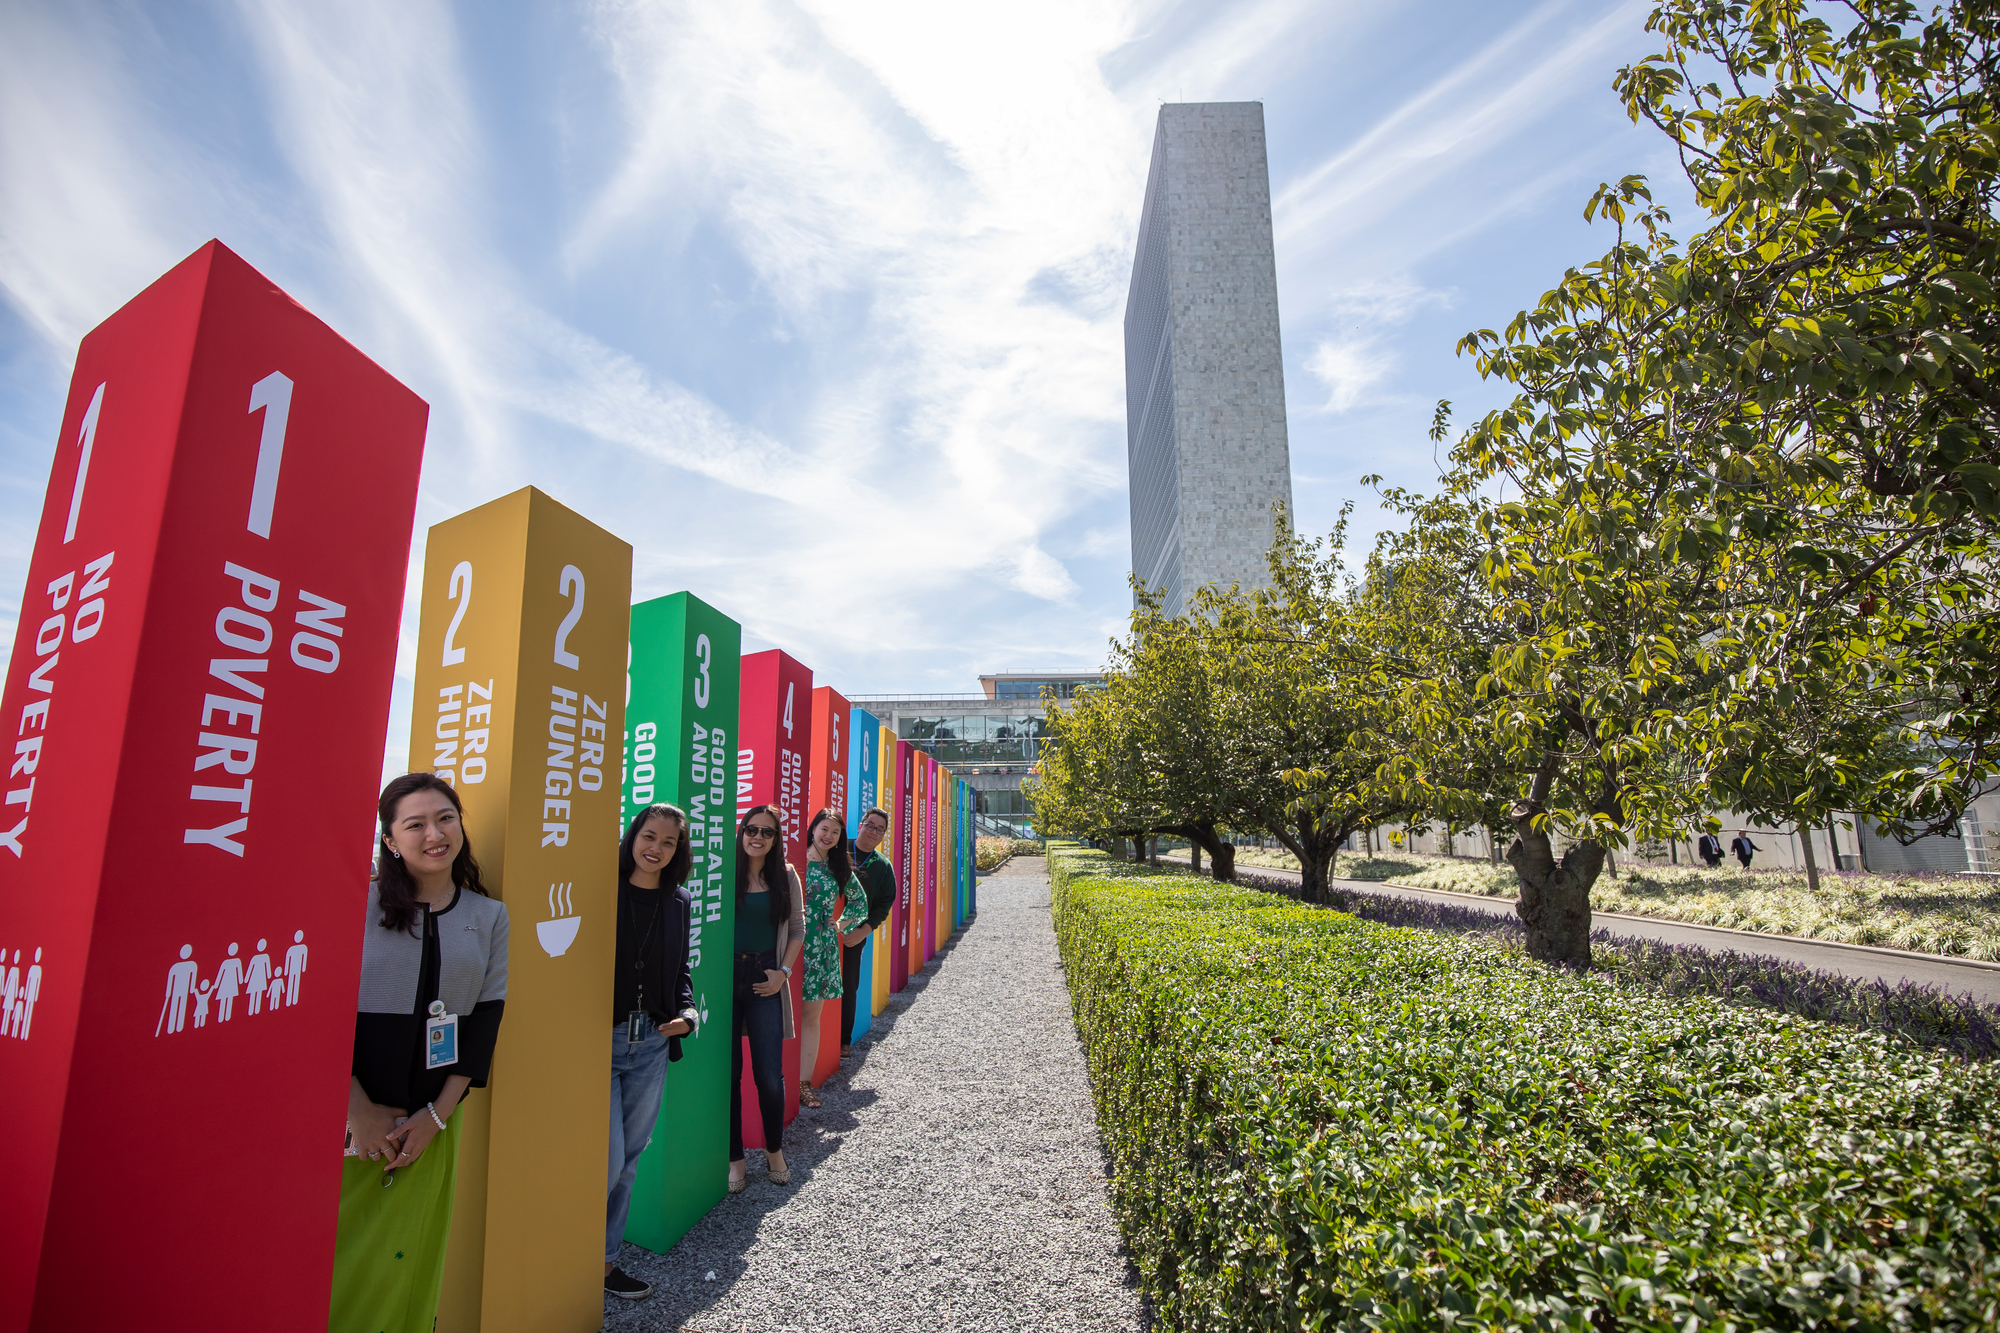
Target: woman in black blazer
(652, 1006)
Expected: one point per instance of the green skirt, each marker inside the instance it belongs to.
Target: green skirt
(388, 1256)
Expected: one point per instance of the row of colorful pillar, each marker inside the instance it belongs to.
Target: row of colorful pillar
(198, 701)
(802, 748)
(690, 721)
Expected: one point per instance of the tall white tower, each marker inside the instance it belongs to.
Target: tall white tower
(1204, 374)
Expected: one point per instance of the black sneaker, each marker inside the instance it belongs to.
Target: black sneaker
(623, 1285)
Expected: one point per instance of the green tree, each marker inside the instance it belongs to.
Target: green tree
(1761, 461)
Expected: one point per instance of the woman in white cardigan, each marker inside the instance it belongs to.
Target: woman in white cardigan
(433, 987)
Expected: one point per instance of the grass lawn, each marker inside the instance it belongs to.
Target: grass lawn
(1957, 915)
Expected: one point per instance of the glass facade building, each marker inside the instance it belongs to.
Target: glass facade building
(992, 739)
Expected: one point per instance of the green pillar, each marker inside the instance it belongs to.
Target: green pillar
(680, 747)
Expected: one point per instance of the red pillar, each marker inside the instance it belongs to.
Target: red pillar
(196, 706)
(773, 767)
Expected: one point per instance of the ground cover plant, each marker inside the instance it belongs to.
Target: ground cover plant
(1942, 914)
(1321, 1122)
(989, 852)
(1926, 1016)
(1957, 915)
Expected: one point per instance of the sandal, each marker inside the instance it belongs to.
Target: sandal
(807, 1097)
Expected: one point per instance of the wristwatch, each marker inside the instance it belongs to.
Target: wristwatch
(786, 970)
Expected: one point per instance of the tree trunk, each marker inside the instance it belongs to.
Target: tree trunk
(1221, 852)
(1153, 849)
(1555, 895)
(1812, 865)
(1312, 876)
(1833, 839)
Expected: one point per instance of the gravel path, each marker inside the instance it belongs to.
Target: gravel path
(954, 1179)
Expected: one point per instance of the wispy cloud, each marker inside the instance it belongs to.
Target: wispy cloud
(819, 304)
(1495, 94)
(1355, 358)
(85, 218)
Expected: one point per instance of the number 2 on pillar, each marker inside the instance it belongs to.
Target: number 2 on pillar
(570, 583)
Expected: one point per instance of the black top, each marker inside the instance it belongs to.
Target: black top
(878, 877)
(653, 929)
(389, 1048)
(755, 931)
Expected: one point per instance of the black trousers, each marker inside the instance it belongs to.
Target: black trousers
(850, 987)
(761, 1018)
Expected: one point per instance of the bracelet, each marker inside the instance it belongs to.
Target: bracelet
(432, 1108)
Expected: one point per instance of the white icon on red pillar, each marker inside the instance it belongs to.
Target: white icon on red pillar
(17, 993)
(180, 980)
(10, 985)
(24, 999)
(263, 983)
(228, 980)
(295, 964)
(257, 976)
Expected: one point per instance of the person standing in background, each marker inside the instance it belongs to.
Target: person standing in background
(1744, 848)
(1709, 848)
(652, 1007)
(770, 927)
(431, 998)
(829, 877)
(878, 880)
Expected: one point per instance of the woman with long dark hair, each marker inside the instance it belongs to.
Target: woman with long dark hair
(770, 931)
(432, 994)
(829, 874)
(652, 1006)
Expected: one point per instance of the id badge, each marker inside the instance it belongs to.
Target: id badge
(440, 1038)
(636, 1024)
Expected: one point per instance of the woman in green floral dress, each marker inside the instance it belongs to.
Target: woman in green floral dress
(829, 874)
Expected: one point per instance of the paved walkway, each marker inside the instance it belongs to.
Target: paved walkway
(1956, 976)
(953, 1181)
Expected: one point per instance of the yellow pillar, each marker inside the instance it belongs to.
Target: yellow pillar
(520, 702)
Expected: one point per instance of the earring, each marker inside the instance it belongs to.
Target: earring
(393, 852)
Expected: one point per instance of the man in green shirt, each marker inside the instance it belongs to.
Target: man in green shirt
(878, 879)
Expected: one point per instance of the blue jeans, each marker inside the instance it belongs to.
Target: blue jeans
(761, 1018)
(638, 1074)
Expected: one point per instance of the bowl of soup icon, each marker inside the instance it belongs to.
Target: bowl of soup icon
(558, 935)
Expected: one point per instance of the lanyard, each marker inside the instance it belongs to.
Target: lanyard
(645, 944)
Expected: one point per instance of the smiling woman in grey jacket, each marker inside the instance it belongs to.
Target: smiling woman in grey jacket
(433, 987)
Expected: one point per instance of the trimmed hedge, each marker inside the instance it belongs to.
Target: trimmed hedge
(1320, 1122)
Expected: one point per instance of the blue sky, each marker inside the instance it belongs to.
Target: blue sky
(818, 305)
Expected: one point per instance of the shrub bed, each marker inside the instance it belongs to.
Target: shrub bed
(1926, 1015)
(990, 852)
(1327, 1123)
(1957, 915)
